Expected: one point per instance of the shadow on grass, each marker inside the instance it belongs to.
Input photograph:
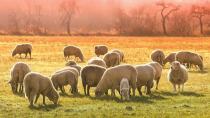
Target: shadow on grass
(77, 95)
(49, 107)
(187, 93)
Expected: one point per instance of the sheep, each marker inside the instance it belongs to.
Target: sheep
(112, 59)
(101, 50)
(170, 58)
(124, 89)
(36, 84)
(73, 51)
(177, 75)
(74, 70)
(145, 77)
(158, 56)
(120, 53)
(189, 58)
(158, 71)
(70, 63)
(63, 78)
(22, 49)
(112, 77)
(97, 61)
(18, 72)
(91, 75)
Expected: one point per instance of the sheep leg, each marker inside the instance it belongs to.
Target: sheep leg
(44, 100)
(106, 93)
(113, 92)
(20, 88)
(148, 90)
(20, 55)
(30, 54)
(26, 55)
(88, 90)
(37, 97)
(139, 89)
(32, 95)
(85, 89)
(179, 87)
(182, 87)
(157, 82)
(174, 87)
(61, 88)
(16, 87)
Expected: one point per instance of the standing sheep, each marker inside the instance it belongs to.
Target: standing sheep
(64, 78)
(170, 58)
(91, 75)
(177, 75)
(120, 53)
(73, 51)
(158, 71)
(189, 58)
(22, 49)
(112, 59)
(124, 89)
(112, 77)
(97, 61)
(158, 56)
(36, 84)
(74, 70)
(101, 50)
(145, 77)
(18, 72)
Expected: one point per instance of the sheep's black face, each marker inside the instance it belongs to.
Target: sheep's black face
(13, 53)
(13, 86)
(55, 99)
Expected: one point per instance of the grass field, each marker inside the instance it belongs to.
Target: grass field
(47, 57)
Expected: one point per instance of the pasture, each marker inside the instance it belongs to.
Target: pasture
(47, 57)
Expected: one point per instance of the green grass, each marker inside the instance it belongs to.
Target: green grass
(48, 57)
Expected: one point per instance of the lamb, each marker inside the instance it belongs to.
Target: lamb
(177, 75)
(145, 77)
(36, 84)
(101, 50)
(124, 89)
(112, 77)
(22, 49)
(91, 75)
(170, 58)
(18, 72)
(158, 71)
(158, 56)
(120, 53)
(73, 51)
(63, 78)
(189, 58)
(112, 59)
(97, 61)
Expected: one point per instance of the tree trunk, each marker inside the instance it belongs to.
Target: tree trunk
(164, 26)
(201, 25)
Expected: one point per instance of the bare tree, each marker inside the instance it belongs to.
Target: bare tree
(14, 22)
(68, 9)
(166, 10)
(199, 12)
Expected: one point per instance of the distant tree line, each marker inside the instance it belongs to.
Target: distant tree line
(161, 19)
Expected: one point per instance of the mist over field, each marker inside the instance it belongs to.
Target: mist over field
(91, 16)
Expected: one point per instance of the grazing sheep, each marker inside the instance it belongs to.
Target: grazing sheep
(64, 78)
(97, 61)
(91, 75)
(177, 75)
(170, 58)
(112, 77)
(189, 58)
(74, 70)
(120, 53)
(112, 59)
(36, 84)
(145, 77)
(22, 49)
(73, 51)
(18, 72)
(158, 56)
(158, 71)
(101, 50)
(71, 63)
(124, 89)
